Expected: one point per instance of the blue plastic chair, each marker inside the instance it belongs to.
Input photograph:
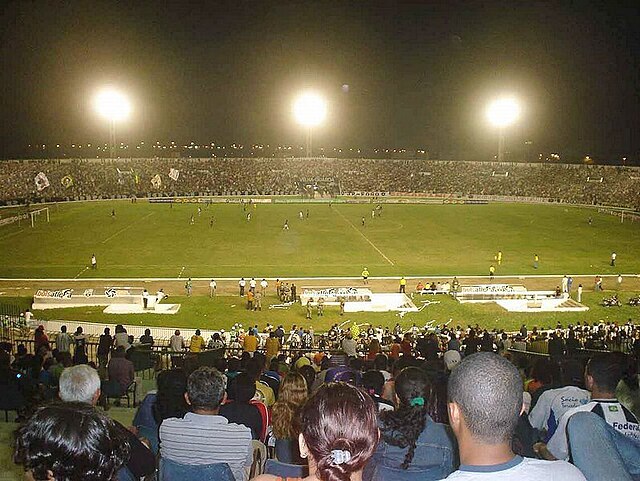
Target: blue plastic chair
(172, 471)
(285, 470)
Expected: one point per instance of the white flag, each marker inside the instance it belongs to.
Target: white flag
(41, 181)
(156, 181)
(174, 174)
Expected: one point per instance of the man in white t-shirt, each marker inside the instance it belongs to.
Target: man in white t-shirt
(263, 286)
(252, 285)
(212, 288)
(241, 285)
(602, 375)
(485, 402)
(553, 403)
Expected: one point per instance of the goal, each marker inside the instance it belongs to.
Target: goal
(39, 215)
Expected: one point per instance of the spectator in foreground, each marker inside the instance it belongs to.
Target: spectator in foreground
(485, 402)
(339, 433)
(239, 409)
(70, 441)
(81, 384)
(411, 442)
(284, 417)
(602, 375)
(203, 436)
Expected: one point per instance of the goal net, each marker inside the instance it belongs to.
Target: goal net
(39, 216)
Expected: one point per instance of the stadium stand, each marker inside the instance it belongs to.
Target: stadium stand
(82, 179)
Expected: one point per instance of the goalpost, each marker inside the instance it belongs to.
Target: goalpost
(34, 214)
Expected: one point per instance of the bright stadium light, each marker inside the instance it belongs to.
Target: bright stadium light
(502, 113)
(309, 110)
(112, 105)
(115, 107)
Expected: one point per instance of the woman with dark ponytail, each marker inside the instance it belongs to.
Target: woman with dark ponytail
(339, 434)
(412, 446)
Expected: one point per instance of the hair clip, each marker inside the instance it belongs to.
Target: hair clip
(339, 456)
(417, 401)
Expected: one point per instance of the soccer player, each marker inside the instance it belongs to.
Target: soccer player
(248, 216)
(188, 286)
(536, 259)
(94, 261)
(212, 288)
(363, 221)
(613, 259)
(192, 220)
(211, 222)
(492, 271)
(499, 257)
(113, 213)
(286, 225)
(300, 215)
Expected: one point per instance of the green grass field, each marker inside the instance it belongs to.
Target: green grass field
(154, 240)
(157, 241)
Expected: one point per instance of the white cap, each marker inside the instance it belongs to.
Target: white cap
(451, 359)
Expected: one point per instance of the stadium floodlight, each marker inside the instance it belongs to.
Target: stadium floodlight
(115, 107)
(502, 113)
(309, 110)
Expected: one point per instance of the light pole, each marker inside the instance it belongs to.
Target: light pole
(502, 113)
(309, 110)
(115, 107)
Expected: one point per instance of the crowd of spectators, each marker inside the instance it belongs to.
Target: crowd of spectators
(423, 404)
(105, 178)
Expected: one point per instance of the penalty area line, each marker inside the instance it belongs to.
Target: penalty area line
(86, 268)
(126, 227)
(365, 237)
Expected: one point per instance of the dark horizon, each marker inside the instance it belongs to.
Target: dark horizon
(395, 74)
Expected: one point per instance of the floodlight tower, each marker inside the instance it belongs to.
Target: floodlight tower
(309, 110)
(502, 113)
(115, 107)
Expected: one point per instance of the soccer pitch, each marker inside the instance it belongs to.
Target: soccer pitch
(146, 240)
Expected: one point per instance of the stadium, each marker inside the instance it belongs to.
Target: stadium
(323, 242)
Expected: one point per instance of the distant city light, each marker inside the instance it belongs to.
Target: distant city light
(112, 105)
(310, 109)
(503, 112)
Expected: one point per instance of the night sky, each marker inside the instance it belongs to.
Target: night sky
(419, 74)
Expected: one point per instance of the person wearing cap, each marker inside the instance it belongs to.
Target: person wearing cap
(451, 359)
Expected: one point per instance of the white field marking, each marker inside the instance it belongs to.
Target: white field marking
(81, 272)
(364, 237)
(11, 234)
(126, 227)
(317, 278)
(181, 271)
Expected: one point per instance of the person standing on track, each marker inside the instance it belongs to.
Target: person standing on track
(365, 276)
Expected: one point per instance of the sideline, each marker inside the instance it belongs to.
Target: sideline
(320, 278)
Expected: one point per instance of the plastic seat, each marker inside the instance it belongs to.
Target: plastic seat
(173, 471)
(285, 470)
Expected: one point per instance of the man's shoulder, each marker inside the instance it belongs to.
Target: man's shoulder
(528, 469)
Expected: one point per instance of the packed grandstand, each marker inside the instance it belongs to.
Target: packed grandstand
(76, 179)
